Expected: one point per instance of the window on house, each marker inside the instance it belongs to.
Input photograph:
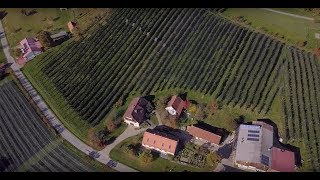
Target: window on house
(148, 140)
(154, 141)
(162, 144)
(169, 146)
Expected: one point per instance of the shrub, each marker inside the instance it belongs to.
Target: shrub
(213, 159)
(111, 125)
(146, 157)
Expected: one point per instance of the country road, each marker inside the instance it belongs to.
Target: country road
(289, 14)
(103, 156)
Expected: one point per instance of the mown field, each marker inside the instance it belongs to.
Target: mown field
(293, 30)
(145, 51)
(18, 26)
(28, 145)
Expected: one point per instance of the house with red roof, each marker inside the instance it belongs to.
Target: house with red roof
(160, 141)
(72, 26)
(176, 105)
(204, 134)
(30, 48)
(282, 160)
(136, 112)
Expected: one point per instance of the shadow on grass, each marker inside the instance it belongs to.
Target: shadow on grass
(3, 14)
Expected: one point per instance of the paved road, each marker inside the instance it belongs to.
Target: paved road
(289, 14)
(129, 132)
(65, 133)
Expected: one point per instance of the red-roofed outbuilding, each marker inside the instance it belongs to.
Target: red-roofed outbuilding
(282, 160)
(176, 105)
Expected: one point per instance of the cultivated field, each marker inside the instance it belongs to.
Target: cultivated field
(26, 143)
(144, 51)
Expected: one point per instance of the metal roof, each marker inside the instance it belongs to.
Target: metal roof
(254, 143)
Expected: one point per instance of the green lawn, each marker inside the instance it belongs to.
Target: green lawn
(18, 26)
(293, 29)
(157, 165)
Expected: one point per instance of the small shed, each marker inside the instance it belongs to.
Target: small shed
(317, 35)
(58, 36)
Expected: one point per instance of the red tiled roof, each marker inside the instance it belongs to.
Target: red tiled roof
(282, 160)
(177, 103)
(160, 141)
(71, 25)
(204, 134)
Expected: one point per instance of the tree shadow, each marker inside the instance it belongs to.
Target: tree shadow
(3, 14)
(183, 95)
(110, 140)
(151, 99)
(56, 18)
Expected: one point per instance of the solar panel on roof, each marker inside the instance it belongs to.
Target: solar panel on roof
(253, 131)
(265, 160)
(252, 139)
(253, 135)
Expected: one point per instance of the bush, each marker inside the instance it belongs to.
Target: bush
(146, 157)
(111, 125)
(213, 159)
(45, 39)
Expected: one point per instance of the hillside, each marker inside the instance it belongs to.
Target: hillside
(27, 144)
(143, 51)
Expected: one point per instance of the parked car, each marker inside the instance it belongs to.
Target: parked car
(112, 164)
(94, 154)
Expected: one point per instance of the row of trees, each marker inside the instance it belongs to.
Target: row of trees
(301, 103)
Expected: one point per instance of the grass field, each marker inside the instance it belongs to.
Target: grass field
(293, 29)
(297, 11)
(157, 165)
(18, 26)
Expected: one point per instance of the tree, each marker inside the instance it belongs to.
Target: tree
(78, 34)
(111, 126)
(214, 106)
(16, 52)
(45, 39)
(201, 112)
(213, 159)
(146, 157)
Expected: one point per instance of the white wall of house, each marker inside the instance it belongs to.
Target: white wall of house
(132, 123)
(171, 110)
(251, 168)
(157, 149)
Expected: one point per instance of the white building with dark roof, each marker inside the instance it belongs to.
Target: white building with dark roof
(253, 148)
(256, 150)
